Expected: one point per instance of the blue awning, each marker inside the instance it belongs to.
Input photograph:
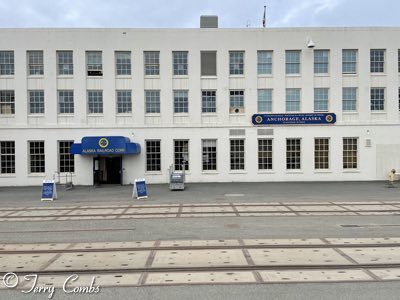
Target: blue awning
(98, 145)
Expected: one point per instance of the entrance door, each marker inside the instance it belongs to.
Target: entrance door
(107, 170)
(114, 170)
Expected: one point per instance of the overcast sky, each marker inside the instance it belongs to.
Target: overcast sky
(186, 13)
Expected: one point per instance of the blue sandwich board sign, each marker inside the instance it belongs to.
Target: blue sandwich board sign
(140, 189)
(49, 192)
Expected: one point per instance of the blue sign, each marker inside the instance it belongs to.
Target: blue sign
(293, 119)
(140, 188)
(95, 145)
(49, 190)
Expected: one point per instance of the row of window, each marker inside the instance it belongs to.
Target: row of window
(123, 62)
(181, 101)
(36, 149)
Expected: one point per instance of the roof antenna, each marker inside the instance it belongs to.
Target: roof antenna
(248, 24)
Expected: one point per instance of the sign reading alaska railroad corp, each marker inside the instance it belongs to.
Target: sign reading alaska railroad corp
(293, 119)
(103, 145)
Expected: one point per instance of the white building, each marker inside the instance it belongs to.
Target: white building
(191, 94)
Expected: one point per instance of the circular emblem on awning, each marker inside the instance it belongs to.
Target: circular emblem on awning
(103, 142)
(258, 119)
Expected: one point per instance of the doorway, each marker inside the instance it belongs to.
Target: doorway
(107, 170)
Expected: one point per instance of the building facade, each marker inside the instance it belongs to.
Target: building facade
(186, 97)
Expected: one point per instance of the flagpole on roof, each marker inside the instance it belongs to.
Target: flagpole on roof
(264, 17)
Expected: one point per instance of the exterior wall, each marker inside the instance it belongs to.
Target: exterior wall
(380, 127)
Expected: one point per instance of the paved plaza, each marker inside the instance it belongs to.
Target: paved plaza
(328, 240)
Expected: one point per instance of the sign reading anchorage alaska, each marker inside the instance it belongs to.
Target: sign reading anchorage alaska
(293, 119)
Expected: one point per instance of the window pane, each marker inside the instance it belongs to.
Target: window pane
(153, 155)
(152, 63)
(152, 101)
(209, 155)
(265, 154)
(264, 100)
(321, 153)
(6, 63)
(208, 102)
(65, 102)
(236, 62)
(180, 62)
(208, 63)
(293, 154)
(292, 100)
(181, 104)
(237, 154)
(124, 101)
(181, 154)
(264, 62)
(65, 63)
(123, 62)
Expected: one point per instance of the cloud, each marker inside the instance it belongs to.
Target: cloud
(300, 12)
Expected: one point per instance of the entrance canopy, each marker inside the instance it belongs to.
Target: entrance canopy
(95, 145)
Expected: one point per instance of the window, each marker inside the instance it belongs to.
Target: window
(65, 102)
(237, 154)
(321, 99)
(321, 153)
(321, 61)
(349, 98)
(293, 148)
(377, 57)
(208, 102)
(292, 100)
(123, 62)
(65, 159)
(35, 62)
(181, 154)
(7, 103)
(209, 155)
(265, 154)
(264, 62)
(6, 62)
(153, 155)
(208, 63)
(350, 146)
(152, 102)
(181, 104)
(36, 157)
(36, 102)
(180, 62)
(264, 100)
(236, 62)
(95, 102)
(94, 63)
(65, 63)
(236, 101)
(293, 61)
(7, 157)
(398, 60)
(124, 102)
(151, 63)
(377, 99)
(349, 61)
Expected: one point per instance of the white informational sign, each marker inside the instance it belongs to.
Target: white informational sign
(140, 189)
(49, 191)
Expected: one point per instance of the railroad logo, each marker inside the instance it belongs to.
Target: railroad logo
(103, 142)
(258, 119)
(329, 118)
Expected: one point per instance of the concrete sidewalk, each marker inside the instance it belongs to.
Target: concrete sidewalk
(208, 193)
